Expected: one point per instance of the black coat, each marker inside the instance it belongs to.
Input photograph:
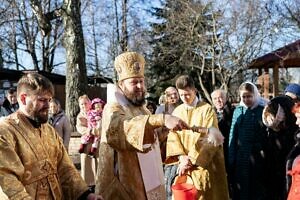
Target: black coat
(246, 161)
(7, 108)
(224, 123)
(279, 144)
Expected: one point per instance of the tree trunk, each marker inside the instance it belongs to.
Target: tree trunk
(76, 77)
(124, 40)
(1, 58)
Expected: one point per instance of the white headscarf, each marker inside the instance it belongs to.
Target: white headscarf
(256, 96)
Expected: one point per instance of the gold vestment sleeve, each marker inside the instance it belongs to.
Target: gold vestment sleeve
(156, 120)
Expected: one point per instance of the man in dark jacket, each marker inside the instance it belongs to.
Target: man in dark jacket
(224, 112)
(10, 104)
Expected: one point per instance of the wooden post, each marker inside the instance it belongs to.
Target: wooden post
(275, 80)
(266, 82)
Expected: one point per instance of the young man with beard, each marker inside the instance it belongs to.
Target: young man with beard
(130, 165)
(34, 163)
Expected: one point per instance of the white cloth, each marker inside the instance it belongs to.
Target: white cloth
(151, 168)
(3, 195)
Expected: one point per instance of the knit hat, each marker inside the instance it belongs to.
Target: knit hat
(94, 116)
(129, 65)
(293, 88)
(97, 100)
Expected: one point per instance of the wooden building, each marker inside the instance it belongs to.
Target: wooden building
(285, 57)
(96, 85)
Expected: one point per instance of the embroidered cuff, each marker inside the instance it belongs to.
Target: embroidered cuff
(156, 120)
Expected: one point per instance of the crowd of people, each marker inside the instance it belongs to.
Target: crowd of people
(133, 149)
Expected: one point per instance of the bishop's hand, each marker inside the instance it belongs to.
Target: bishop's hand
(174, 123)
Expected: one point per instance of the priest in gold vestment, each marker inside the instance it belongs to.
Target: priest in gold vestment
(130, 165)
(34, 163)
(197, 151)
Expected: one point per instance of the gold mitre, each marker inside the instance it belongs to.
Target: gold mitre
(129, 65)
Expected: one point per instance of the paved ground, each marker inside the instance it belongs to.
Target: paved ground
(76, 160)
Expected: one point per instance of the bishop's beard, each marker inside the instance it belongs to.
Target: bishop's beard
(133, 98)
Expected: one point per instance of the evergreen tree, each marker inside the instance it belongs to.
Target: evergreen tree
(181, 43)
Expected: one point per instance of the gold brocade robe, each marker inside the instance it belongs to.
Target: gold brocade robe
(34, 163)
(124, 131)
(208, 171)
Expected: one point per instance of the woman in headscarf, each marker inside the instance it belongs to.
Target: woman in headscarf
(246, 146)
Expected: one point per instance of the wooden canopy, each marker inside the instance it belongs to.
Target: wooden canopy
(285, 57)
(94, 83)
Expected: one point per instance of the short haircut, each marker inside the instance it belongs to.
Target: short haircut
(10, 91)
(56, 101)
(171, 88)
(34, 83)
(223, 92)
(84, 97)
(184, 82)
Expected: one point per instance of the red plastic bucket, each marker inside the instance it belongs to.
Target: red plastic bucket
(184, 191)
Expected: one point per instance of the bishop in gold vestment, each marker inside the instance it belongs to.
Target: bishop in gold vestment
(125, 131)
(130, 166)
(34, 163)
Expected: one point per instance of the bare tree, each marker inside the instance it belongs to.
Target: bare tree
(215, 44)
(287, 10)
(76, 78)
(51, 41)
(20, 36)
(124, 30)
(30, 31)
(94, 38)
(18, 33)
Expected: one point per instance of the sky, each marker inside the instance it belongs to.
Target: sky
(60, 54)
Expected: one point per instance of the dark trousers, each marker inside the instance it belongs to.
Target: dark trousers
(170, 172)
